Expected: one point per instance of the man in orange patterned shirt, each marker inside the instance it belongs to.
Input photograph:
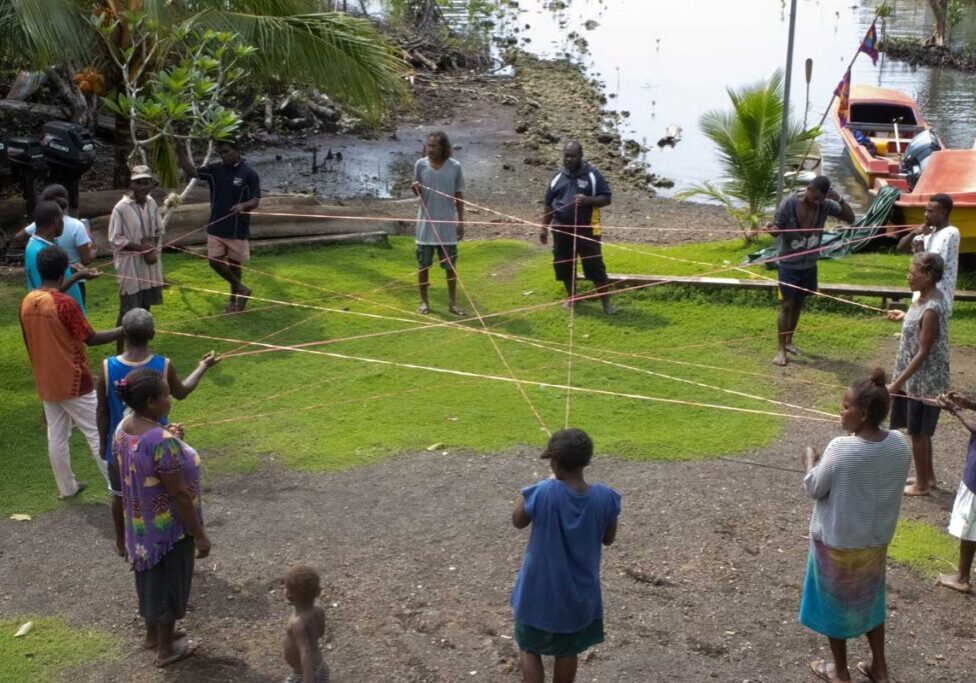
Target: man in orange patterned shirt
(56, 334)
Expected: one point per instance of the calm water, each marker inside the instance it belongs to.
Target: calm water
(667, 62)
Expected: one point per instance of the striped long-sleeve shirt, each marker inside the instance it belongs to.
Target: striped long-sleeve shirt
(857, 486)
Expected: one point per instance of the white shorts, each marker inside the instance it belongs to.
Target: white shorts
(962, 522)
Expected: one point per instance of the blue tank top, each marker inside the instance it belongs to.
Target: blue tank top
(114, 370)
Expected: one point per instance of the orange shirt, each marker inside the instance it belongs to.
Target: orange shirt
(55, 331)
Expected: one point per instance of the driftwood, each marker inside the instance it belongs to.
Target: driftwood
(45, 110)
(185, 227)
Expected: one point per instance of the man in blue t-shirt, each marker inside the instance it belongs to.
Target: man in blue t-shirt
(235, 190)
(48, 227)
(572, 213)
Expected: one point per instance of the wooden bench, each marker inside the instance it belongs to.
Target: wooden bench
(887, 293)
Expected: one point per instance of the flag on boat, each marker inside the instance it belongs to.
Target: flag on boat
(869, 45)
(843, 93)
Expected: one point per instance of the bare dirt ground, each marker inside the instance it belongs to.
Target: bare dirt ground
(418, 557)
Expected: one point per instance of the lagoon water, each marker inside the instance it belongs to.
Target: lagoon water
(667, 61)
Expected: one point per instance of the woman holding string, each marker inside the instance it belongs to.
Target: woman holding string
(857, 489)
(921, 366)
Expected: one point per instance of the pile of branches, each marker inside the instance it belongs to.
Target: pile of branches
(430, 43)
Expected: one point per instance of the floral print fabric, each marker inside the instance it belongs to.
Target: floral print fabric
(152, 526)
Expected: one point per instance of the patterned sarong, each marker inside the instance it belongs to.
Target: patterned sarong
(844, 591)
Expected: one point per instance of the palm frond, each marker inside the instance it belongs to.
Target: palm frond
(342, 55)
(48, 32)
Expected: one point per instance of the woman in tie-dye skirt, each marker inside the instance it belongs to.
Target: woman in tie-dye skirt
(857, 485)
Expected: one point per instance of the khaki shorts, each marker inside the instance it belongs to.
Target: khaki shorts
(228, 249)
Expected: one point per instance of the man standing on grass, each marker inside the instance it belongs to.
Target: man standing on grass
(135, 230)
(56, 333)
(48, 227)
(940, 238)
(235, 190)
(75, 239)
(798, 227)
(439, 183)
(573, 202)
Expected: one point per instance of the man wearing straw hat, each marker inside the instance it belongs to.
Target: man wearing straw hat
(135, 232)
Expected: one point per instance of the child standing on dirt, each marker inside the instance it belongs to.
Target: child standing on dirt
(962, 522)
(556, 601)
(305, 627)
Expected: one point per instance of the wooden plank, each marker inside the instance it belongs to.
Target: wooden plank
(885, 291)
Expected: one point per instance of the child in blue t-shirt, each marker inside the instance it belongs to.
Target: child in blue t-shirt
(556, 601)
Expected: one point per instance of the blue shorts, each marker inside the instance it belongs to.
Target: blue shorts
(804, 279)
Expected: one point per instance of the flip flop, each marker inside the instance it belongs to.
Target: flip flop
(865, 671)
(423, 308)
(457, 311)
(820, 670)
(181, 650)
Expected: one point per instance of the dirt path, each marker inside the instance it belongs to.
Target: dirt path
(418, 558)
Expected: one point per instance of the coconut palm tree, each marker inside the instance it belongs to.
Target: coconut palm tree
(747, 138)
(298, 42)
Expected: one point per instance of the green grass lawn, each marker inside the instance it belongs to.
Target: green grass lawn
(319, 412)
(49, 648)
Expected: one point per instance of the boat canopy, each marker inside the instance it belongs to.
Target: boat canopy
(885, 113)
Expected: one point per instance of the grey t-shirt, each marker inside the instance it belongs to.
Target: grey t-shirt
(437, 201)
(797, 240)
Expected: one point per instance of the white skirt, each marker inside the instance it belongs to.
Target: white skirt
(962, 523)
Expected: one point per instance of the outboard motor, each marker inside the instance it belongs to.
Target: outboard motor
(69, 150)
(916, 155)
(25, 157)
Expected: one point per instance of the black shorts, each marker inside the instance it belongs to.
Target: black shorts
(913, 415)
(144, 298)
(805, 278)
(447, 255)
(164, 589)
(587, 249)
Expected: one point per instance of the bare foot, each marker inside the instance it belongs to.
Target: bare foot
(826, 671)
(182, 649)
(242, 296)
(933, 484)
(916, 490)
(867, 670)
(152, 644)
(792, 349)
(780, 359)
(952, 581)
(457, 310)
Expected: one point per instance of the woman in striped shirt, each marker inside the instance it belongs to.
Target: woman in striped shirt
(857, 485)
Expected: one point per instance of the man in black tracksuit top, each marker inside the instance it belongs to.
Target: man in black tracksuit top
(573, 202)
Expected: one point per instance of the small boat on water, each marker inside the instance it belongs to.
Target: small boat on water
(880, 125)
(952, 171)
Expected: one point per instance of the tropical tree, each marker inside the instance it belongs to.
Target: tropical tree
(296, 42)
(940, 9)
(747, 138)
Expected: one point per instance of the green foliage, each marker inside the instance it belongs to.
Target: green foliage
(317, 412)
(925, 548)
(50, 648)
(174, 79)
(296, 42)
(955, 11)
(747, 138)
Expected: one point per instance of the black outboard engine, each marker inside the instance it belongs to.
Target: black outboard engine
(25, 157)
(69, 150)
(916, 155)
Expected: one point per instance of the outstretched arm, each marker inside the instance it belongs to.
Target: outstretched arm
(181, 389)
